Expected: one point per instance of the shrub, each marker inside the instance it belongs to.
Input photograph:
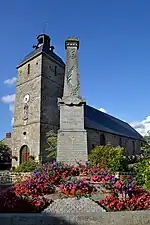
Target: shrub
(147, 185)
(52, 145)
(142, 169)
(109, 157)
(28, 166)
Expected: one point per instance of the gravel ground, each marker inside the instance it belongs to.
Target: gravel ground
(68, 205)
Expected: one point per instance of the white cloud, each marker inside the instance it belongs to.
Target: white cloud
(10, 81)
(11, 108)
(143, 127)
(12, 121)
(8, 98)
(102, 110)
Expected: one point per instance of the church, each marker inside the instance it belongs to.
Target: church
(40, 83)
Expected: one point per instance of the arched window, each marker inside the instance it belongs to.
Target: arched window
(24, 154)
(102, 140)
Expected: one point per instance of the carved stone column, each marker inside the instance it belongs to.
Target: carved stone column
(72, 137)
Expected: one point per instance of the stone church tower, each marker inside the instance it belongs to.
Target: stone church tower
(39, 85)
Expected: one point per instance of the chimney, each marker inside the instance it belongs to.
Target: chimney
(8, 135)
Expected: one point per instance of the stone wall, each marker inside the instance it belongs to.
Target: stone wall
(114, 140)
(51, 90)
(42, 79)
(28, 82)
(100, 218)
(7, 178)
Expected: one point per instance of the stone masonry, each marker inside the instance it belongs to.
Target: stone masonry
(40, 83)
(72, 137)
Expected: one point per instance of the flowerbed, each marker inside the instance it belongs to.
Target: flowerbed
(12, 203)
(56, 173)
(123, 185)
(28, 195)
(76, 188)
(140, 200)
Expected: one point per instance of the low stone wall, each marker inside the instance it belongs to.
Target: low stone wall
(7, 177)
(100, 218)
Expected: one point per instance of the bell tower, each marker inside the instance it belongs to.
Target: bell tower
(39, 85)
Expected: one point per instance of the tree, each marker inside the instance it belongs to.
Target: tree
(52, 145)
(147, 138)
(5, 156)
(4, 152)
(146, 146)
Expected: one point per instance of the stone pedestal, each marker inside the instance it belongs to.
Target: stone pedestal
(72, 147)
(72, 137)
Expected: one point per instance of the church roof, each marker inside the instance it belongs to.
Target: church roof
(39, 50)
(98, 120)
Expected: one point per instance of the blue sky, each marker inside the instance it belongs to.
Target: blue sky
(114, 55)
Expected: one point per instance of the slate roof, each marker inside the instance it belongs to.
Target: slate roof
(39, 50)
(98, 120)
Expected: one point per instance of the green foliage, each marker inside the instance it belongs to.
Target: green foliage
(109, 157)
(52, 145)
(146, 149)
(142, 169)
(5, 152)
(147, 138)
(28, 166)
(147, 185)
(4, 148)
(146, 145)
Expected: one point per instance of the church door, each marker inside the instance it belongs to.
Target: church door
(24, 154)
(102, 140)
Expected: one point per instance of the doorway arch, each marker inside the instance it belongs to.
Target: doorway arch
(24, 154)
(102, 140)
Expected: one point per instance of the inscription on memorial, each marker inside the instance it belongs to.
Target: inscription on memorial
(69, 75)
(72, 54)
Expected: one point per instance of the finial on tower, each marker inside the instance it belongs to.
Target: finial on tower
(72, 42)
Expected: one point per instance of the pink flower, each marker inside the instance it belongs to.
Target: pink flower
(117, 184)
